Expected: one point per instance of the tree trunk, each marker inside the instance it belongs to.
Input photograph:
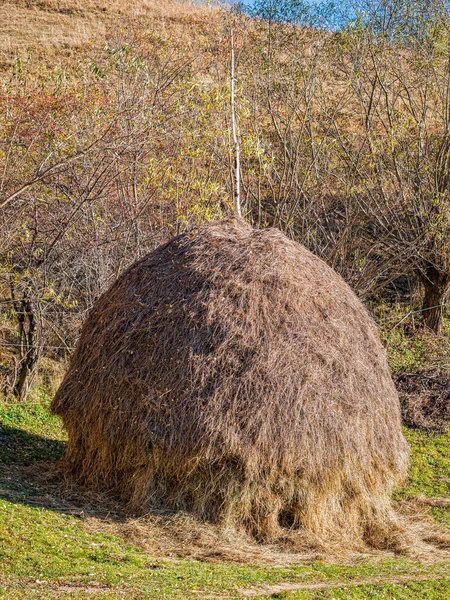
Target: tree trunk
(29, 349)
(436, 286)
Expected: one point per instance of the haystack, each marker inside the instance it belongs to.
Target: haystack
(231, 373)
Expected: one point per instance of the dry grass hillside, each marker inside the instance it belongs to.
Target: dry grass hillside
(59, 28)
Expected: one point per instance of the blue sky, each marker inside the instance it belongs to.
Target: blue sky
(330, 14)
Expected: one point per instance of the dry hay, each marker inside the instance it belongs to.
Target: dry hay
(232, 374)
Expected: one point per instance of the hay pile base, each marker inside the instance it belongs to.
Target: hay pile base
(232, 374)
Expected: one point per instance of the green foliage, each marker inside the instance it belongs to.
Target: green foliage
(404, 354)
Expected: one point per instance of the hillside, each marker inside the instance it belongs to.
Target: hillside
(60, 30)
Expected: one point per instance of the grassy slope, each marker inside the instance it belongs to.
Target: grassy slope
(55, 31)
(48, 554)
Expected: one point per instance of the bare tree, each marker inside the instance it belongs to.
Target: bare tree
(236, 146)
(400, 152)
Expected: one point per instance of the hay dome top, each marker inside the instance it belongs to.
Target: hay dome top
(237, 351)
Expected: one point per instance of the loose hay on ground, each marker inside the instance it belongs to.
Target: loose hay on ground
(425, 400)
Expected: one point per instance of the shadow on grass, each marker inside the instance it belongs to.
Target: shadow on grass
(30, 474)
(28, 468)
(22, 448)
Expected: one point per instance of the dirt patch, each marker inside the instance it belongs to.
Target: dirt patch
(322, 585)
(66, 587)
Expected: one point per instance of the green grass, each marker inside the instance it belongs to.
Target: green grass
(28, 431)
(405, 591)
(410, 348)
(42, 549)
(39, 544)
(429, 469)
